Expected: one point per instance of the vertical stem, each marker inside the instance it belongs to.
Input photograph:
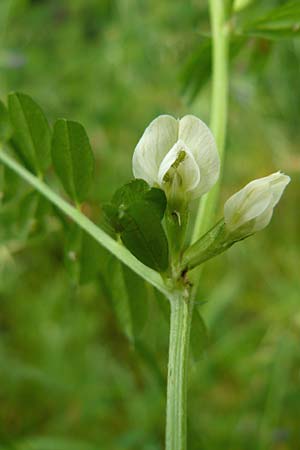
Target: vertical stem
(181, 305)
(220, 37)
(181, 314)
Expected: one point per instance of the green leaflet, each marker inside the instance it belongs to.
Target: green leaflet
(72, 158)
(139, 190)
(31, 133)
(136, 212)
(144, 236)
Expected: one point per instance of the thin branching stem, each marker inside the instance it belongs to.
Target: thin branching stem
(114, 247)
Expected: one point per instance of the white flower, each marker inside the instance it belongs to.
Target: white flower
(180, 156)
(250, 209)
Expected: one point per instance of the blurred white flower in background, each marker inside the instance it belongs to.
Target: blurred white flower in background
(250, 209)
(177, 155)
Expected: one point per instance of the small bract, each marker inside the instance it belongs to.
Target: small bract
(178, 155)
(250, 209)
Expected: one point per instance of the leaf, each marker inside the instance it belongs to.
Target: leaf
(157, 199)
(128, 294)
(31, 132)
(131, 192)
(136, 213)
(144, 236)
(280, 22)
(5, 125)
(138, 190)
(72, 158)
(199, 335)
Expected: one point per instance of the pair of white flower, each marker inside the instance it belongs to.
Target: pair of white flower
(181, 157)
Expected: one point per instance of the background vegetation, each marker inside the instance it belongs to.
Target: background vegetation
(72, 376)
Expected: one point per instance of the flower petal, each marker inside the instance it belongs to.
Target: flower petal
(158, 138)
(278, 184)
(199, 139)
(263, 220)
(187, 168)
(247, 203)
(255, 202)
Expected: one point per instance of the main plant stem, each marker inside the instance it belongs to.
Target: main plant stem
(181, 315)
(181, 302)
(218, 120)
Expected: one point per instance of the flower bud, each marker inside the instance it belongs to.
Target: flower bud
(250, 209)
(179, 156)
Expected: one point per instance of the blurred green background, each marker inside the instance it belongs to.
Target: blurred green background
(70, 378)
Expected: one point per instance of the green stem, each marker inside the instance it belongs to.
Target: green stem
(87, 225)
(220, 36)
(181, 314)
(181, 307)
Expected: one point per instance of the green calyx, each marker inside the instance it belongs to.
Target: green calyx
(217, 240)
